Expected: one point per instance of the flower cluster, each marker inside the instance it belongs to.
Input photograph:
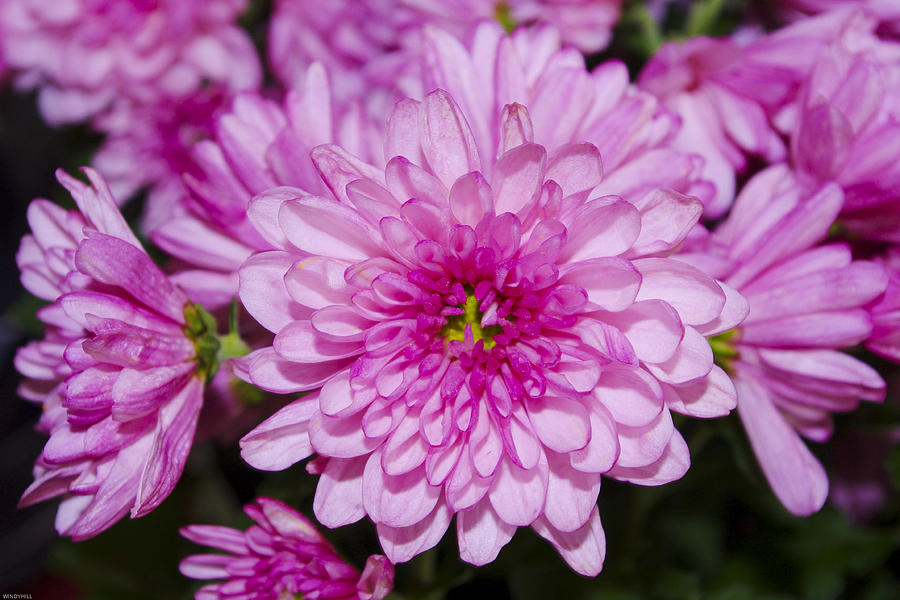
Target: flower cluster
(484, 275)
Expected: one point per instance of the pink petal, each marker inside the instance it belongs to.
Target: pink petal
(795, 475)
(571, 494)
(397, 501)
(517, 178)
(171, 443)
(583, 549)
(282, 439)
(325, 227)
(575, 167)
(263, 292)
(696, 296)
(446, 138)
(481, 534)
(339, 494)
(518, 495)
(562, 424)
(402, 543)
(603, 227)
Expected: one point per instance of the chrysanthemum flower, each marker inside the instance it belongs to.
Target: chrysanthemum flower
(733, 96)
(281, 556)
(85, 54)
(485, 336)
(254, 145)
(148, 147)
(806, 303)
(887, 12)
(136, 356)
(848, 132)
(372, 46)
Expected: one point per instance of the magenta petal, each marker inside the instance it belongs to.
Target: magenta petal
(137, 393)
(603, 227)
(446, 138)
(562, 424)
(795, 475)
(377, 579)
(481, 534)
(518, 495)
(696, 296)
(632, 397)
(171, 445)
(583, 549)
(321, 226)
(712, 396)
(397, 500)
(282, 439)
(402, 543)
(517, 178)
(263, 292)
(575, 167)
(114, 262)
(672, 464)
(571, 494)
(339, 494)
(602, 450)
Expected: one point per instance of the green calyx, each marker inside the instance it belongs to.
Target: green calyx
(503, 15)
(212, 348)
(724, 352)
(455, 329)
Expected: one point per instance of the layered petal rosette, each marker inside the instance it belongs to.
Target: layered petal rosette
(136, 354)
(807, 302)
(281, 556)
(83, 55)
(484, 337)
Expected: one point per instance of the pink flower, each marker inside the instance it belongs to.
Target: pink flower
(484, 333)
(731, 95)
(255, 145)
(85, 54)
(281, 556)
(886, 11)
(848, 131)
(134, 353)
(806, 303)
(148, 147)
(885, 311)
(372, 46)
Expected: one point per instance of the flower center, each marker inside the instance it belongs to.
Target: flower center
(469, 323)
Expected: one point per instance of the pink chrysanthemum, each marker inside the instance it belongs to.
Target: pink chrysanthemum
(85, 54)
(372, 46)
(281, 556)
(733, 96)
(806, 303)
(148, 147)
(486, 335)
(130, 347)
(887, 12)
(255, 145)
(848, 131)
